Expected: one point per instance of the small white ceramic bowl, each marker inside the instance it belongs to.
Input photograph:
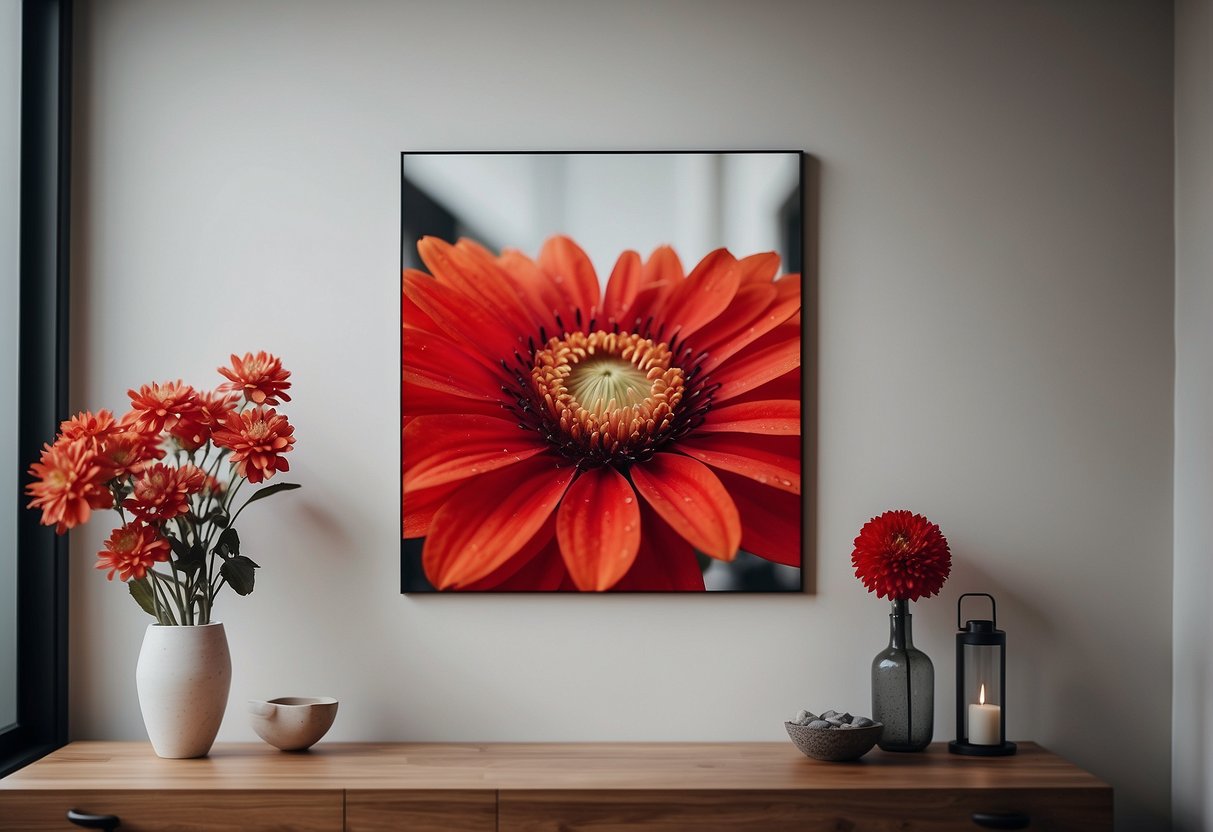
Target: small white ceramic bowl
(293, 723)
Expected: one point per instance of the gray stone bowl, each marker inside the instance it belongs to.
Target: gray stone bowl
(834, 745)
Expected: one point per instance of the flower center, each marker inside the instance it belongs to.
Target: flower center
(607, 397)
(603, 384)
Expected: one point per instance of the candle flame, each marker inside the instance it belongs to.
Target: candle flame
(981, 697)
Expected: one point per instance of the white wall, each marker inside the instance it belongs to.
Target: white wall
(1192, 755)
(994, 336)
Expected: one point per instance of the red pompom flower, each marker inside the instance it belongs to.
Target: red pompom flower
(902, 556)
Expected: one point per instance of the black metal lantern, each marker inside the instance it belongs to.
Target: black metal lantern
(981, 685)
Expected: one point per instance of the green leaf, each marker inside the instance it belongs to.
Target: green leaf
(238, 572)
(141, 591)
(193, 560)
(179, 547)
(228, 543)
(273, 489)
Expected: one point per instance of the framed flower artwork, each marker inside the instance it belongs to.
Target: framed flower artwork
(601, 372)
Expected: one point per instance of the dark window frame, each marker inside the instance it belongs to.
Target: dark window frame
(42, 614)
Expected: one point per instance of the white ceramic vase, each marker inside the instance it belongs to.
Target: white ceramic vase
(183, 677)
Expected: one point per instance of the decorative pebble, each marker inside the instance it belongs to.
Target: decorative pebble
(833, 720)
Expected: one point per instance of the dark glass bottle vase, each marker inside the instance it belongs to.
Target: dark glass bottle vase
(903, 687)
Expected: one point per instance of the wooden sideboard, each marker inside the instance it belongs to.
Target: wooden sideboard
(550, 787)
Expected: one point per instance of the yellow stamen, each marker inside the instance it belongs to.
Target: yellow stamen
(608, 391)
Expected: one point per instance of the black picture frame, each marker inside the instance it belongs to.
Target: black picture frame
(42, 613)
(422, 215)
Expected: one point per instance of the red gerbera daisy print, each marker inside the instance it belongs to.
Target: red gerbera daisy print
(558, 434)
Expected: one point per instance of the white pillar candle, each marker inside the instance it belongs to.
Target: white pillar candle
(985, 722)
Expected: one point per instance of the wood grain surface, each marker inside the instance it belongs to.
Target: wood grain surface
(888, 810)
(505, 767)
(184, 810)
(447, 810)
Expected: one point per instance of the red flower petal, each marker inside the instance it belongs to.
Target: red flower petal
(652, 297)
(436, 362)
(753, 367)
(780, 312)
(664, 563)
(706, 293)
(542, 572)
(487, 521)
(691, 499)
(535, 288)
(473, 278)
(787, 386)
(663, 266)
(421, 505)
(770, 519)
(411, 316)
(771, 460)
(461, 317)
(778, 417)
(523, 564)
(758, 268)
(747, 307)
(423, 401)
(598, 527)
(622, 287)
(574, 275)
(440, 449)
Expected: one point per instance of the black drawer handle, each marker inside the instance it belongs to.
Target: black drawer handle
(1002, 820)
(106, 822)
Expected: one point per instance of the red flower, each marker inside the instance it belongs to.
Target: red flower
(71, 482)
(557, 435)
(130, 452)
(162, 492)
(900, 555)
(193, 430)
(131, 551)
(159, 406)
(87, 425)
(257, 438)
(259, 377)
(212, 487)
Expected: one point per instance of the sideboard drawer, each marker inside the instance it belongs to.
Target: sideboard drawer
(175, 810)
(445, 810)
(904, 810)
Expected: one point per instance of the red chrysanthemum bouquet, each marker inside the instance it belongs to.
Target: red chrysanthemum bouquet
(901, 556)
(172, 468)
